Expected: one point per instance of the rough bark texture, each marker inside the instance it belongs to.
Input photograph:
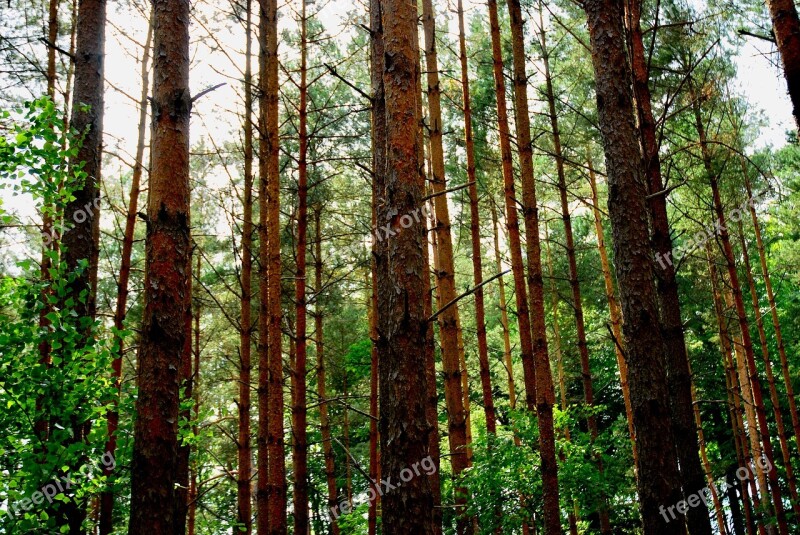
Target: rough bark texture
(452, 352)
(299, 371)
(402, 325)
(167, 279)
(786, 24)
(545, 392)
(244, 453)
(271, 492)
(658, 477)
(121, 308)
(677, 358)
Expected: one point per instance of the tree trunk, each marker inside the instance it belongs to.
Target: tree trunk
(677, 358)
(244, 454)
(744, 325)
(786, 25)
(299, 416)
(475, 232)
(402, 325)
(271, 494)
(544, 393)
(776, 324)
(731, 382)
(167, 281)
(614, 312)
(509, 364)
(445, 272)
(773, 391)
(121, 307)
(193, 493)
(319, 345)
(658, 477)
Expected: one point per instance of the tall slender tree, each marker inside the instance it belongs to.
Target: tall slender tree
(167, 281)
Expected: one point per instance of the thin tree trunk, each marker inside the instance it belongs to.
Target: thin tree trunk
(167, 281)
(744, 325)
(324, 419)
(773, 391)
(786, 26)
(776, 324)
(378, 140)
(658, 476)
(299, 416)
(193, 493)
(509, 364)
(445, 272)
(614, 312)
(544, 394)
(402, 325)
(121, 307)
(244, 454)
(731, 381)
(475, 232)
(677, 358)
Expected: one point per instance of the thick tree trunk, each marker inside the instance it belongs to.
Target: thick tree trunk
(677, 358)
(786, 25)
(744, 324)
(658, 477)
(402, 325)
(299, 416)
(121, 308)
(244, 453)
(167, 280)
(445, 271)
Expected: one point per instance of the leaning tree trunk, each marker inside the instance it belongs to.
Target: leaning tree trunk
(167, 280)
(658, 477)
(738, 299)
(402, 325)
(786, 26)
(677, 358)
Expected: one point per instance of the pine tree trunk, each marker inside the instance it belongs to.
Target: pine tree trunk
(731, 382)
(475, 232)
(121, 307)
(167, 281)
(299, 416)
(402, 325)
(776, 324)
(509, 364)
(677, 358)
(744, 325)
(614, 312)
(193, 494)
(658, 477)
(445, 271)
(786, 26)
(773, 391)
(244, 453)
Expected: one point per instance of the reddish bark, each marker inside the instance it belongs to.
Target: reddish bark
(786, 26)
(167, 280)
